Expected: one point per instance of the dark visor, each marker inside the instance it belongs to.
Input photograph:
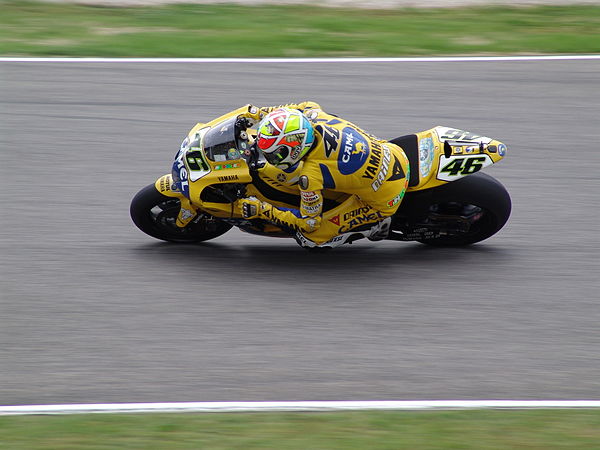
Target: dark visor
(278, 155)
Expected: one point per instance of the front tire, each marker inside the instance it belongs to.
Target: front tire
(155, 214)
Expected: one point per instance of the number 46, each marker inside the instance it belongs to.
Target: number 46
(463, 166)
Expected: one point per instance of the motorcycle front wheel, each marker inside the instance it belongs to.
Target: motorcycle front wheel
(155, 214)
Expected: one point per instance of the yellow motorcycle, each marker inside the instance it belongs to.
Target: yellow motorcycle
(448, 201)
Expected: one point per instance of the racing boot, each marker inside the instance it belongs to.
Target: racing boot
(380, 230)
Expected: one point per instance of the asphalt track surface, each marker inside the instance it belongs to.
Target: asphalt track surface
(92, 310)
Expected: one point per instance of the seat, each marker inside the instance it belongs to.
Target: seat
(410, 145)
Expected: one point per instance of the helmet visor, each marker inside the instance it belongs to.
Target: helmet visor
(276, 157)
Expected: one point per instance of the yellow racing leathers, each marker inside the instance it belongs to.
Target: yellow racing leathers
(344, 159)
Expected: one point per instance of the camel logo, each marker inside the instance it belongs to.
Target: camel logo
(354, 151)
(359, 149)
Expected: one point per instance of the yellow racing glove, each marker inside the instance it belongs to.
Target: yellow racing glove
(254, 114)
(253, 208)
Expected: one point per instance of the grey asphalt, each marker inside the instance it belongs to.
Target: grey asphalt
(92, 310)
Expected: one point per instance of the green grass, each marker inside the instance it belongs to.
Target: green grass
(43, 29)
(486, 429)
(231, 31)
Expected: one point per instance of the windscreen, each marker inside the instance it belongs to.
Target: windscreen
(221, 143)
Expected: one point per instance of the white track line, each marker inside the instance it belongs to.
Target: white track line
(305, 405)
(188, 407)
(304, 60)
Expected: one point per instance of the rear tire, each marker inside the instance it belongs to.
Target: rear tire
(479, 196)
(155, 214)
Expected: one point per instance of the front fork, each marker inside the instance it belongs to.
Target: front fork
(188, 212)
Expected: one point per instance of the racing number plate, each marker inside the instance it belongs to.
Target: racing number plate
(458, 166)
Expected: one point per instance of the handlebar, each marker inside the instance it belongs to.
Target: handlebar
(252, 154)
(255, 162)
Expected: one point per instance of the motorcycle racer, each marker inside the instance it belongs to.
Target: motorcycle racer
(330, 154)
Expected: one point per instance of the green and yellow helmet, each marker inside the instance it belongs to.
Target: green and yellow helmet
(284, 137)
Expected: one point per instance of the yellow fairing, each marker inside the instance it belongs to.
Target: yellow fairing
(206, 176)
(164, 184)
(188, 211)
(447, 154)
(221, 173)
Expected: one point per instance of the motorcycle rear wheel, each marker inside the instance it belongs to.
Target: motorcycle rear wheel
(479, 197)
(155, 214)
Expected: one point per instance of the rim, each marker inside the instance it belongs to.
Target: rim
(462, 220)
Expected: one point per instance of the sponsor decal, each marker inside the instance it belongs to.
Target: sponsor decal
(313, 209)
(228, 178)
(426, 153)
(305, 242)
(301, 239)
(164, 184)
(354, 151)
(335, 220)
(383, 171)
(397, 172)
(180, 176)
(356, 212)
(374, 161)
(333, 240)
(309, 196)
(502, 149)
(393, 202)
(186, 214)
(281, 177)
(295, 153)
(331, 138)
(366, 217)
(459, 135)
(185, 143)
(227, 166)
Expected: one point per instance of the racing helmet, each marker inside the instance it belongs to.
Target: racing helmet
(284, 136)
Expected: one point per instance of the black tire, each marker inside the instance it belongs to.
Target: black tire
(155, 214)
(480, 195)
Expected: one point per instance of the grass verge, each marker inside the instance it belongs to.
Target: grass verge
(485, 429)
(46, 29)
